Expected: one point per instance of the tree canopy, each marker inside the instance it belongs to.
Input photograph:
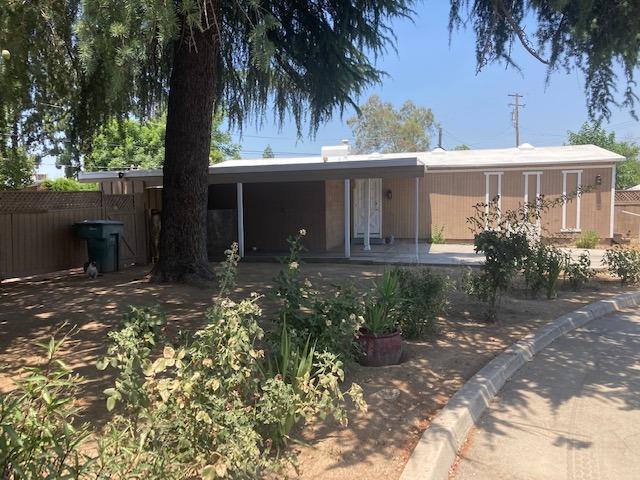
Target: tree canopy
(268, 152)
(628, 171)
(16, 169)
(593, 37)
(68, 185)
(380, 127)
(140, 144)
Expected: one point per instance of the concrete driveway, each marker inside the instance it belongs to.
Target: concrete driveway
(572, 413)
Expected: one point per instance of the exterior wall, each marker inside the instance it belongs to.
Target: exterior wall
(447, 199)
(334, 214)
(398, 212)
(274, 211)
(452, 209)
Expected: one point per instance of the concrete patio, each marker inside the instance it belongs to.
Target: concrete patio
(404, 253)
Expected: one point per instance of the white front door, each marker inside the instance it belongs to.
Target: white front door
(360, 208)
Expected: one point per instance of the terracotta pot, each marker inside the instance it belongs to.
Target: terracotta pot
(380, 350)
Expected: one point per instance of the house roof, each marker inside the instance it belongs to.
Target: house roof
(410, 164)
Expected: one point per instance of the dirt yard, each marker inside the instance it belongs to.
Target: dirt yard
(402, 399)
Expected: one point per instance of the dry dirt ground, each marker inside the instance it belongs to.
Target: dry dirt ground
(402, 399)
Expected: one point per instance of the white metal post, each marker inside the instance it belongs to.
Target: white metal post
(240, 220)
(367, 224)
(347, 218)
(417, 219)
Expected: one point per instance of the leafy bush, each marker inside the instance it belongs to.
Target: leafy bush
(212, 407)
(578, 272)
(331, 320)
(624, 263)
(39, 433)
(63, 184)
(588, 239)
(424, 297)
(508, 239)
(437, 235)
(542, 268)
(314, 378)
(504, 253)
(209, 407)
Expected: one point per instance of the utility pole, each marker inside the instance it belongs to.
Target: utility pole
(516, 114)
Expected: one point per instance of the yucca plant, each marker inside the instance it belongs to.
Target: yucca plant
(294, 366)
(382, 307)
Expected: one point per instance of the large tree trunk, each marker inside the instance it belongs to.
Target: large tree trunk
(183, 242)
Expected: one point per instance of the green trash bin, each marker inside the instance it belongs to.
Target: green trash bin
(103, 242)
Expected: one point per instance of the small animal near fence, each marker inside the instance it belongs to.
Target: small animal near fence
(36, 229)
(627, 214)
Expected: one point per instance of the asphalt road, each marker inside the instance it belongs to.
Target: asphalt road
(572, 413)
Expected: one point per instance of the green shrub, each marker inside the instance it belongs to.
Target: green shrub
(437, 235)
(588, 239)
(424, 298)
(578, 272)
(63, 184)
(213, 406)
(40, 436)
(623, 262)
(542, 269)
(504, 254)
(330, 319)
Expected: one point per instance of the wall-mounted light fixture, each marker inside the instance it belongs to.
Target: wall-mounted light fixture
(389, 194)
(598, 179)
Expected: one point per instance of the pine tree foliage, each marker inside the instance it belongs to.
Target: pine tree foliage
(308, 58)
(40, 78)
(594, 37)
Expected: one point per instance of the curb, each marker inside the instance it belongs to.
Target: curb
(436, 450)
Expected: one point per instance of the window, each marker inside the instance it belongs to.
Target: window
(571, 183)
(532, 193)
(493, 187)
(493, 191)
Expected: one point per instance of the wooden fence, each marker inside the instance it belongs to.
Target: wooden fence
(627, 214)
(36, 229)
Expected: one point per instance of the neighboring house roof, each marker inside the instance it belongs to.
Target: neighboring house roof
(409, 164)
(634, 188)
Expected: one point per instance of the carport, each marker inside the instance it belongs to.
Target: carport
(343, 168)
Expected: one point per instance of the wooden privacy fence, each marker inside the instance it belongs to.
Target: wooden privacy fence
(36, 229)
(627, 214)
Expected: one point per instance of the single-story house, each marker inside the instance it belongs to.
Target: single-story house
(343, 199)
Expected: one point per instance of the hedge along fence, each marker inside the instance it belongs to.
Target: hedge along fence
(36, 229)
(627, 214)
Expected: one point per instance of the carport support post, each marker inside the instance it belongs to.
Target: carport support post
(240, 220)
(417, 219)
(367, 223)
(347, 218)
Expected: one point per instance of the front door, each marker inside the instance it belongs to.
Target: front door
(360, 208)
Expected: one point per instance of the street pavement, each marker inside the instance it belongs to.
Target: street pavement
(572, 413)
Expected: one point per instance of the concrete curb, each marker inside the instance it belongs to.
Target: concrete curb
(436, 450)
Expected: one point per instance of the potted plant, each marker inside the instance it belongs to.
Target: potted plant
(379, 337)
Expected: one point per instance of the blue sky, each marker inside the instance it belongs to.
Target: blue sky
(472, 108)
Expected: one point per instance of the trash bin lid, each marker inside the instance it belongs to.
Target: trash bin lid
(99, 222)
